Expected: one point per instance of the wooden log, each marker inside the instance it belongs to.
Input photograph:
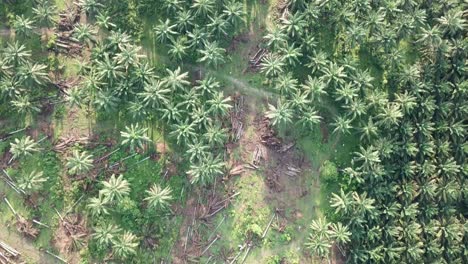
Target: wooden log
(107, 155)
(55, 256)
(238, 254)
(9, 205)
(73, 205)
(268, 226)
(212, 242)
(214, 231)
(39, 223)
(9, 249)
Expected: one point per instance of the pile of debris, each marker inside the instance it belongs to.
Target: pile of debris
(254, 62)
(237, 129)
(8, 254)
(282, 10)
(26, 227)
(64, 85)
(258, 154)
(64, 42)
(65, 143)
(268, 134)
(214, 206)
(71, 233)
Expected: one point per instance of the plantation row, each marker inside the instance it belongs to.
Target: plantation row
(397, 71)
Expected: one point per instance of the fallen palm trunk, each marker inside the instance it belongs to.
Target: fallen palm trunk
(9, 249)
(106, 156)
(238, 254)
(208, 247)
(55, 256)
(11, 207)
(13, 186)
(286, 148)
(122, 160)
(268, 226)
(237, 170)
(247, 252)
(73, 205)
(12, 133)
(41, 224)
(214, 231)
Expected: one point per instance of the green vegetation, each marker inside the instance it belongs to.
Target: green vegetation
(232, 131)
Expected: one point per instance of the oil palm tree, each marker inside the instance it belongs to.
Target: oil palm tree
(212, 54)
(24, 105)
(176, 79)
(319, 241)
(203, 7)
(281, 114)
(108, 69)
(16, 54)
(294, 24)
(98, 205)
(315, 88)
(368, 130)
(154, 94)
(346, 93)
(342, 125)
(452, 22)
(33, 181)
(10, 88)
(129, 56)
(30, 74)
(184, 132)
(197, 150)
(104, 21)
(171, 113)
(79, 162)
(318, 61)
(125, 245)
(23, 147)
(165, 31)
(272, 65)
(172, 6)
(215, 135)
(105, 234)
(134, 136)
(218, 25)
(76, 97)
(91, 7)
(115, 188)
(201, 117)
(234, 12)
(207, 86)
(184, 20)
(309, 118)
(300, 101)
(390, 116)
(105, 101)
(219, 105)
(206, 170)
(368, 156)
(197, 37)
(158, 197)
(45, 13)
(286, 84)
(291, 54)
(276, 39)
(24, 27)
(334, 74)
(178, 48)
(356, 108)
